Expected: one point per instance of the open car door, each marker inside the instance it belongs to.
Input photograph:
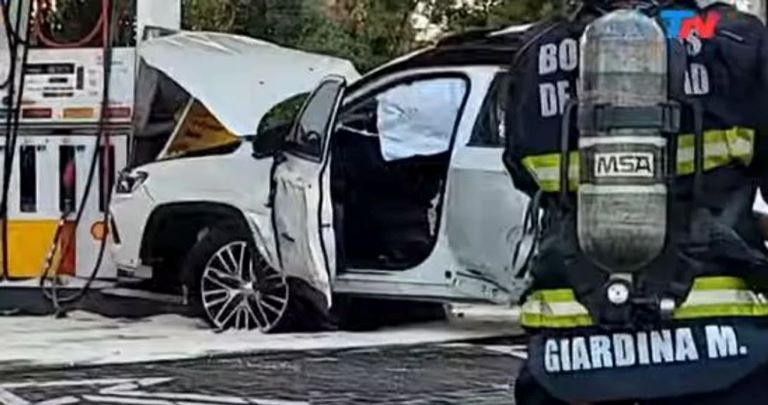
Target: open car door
(301, 203)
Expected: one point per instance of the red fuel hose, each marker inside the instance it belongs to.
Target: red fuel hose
(99, 156)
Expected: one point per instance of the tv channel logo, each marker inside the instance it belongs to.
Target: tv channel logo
(680, 24)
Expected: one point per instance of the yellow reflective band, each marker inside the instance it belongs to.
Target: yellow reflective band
(546, 170)
(719, 283)
(563, 295)
(721, 147)
(722, 311)
(710, 297)
(555, 322)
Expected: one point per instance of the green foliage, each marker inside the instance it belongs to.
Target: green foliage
(207, 15)
(460, 15)
(367, 32)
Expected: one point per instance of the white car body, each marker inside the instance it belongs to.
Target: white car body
(250, 77)
(481, 215)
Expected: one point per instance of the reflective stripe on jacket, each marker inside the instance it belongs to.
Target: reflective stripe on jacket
(710, 297)
(721, 148)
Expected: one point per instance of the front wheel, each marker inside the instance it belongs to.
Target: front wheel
(232, 286)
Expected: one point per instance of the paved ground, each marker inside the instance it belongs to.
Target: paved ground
(84, 339)
(458, 373)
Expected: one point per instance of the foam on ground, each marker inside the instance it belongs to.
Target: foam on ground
(86, 339)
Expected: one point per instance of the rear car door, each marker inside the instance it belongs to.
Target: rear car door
(302, 212)
(486, 212)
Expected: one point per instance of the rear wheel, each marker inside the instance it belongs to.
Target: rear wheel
(232, 286)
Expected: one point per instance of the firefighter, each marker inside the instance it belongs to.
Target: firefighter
(648, 280)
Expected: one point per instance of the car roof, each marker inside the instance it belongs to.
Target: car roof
(492, 47)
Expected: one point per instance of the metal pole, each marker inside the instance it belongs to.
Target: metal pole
(18, 13)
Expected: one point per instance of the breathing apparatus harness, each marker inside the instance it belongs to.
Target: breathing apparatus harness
(612, 301)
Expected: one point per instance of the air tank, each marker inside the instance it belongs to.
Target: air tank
(622, 195)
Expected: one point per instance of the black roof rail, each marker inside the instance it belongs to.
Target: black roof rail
(465, 36)
(479, 47)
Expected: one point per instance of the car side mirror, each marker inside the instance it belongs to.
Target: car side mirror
(270, 141)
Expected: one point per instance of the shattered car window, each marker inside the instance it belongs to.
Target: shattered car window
(418, 118)
(310, 131)
(489, 129)
(276, 125)
(282, 115)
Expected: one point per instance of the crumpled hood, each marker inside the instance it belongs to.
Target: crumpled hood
(239, 78)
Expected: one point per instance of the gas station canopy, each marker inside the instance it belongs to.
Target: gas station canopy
(237, 78)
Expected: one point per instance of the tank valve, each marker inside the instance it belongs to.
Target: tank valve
(618, 291)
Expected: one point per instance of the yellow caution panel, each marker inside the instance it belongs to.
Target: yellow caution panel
(28, 244)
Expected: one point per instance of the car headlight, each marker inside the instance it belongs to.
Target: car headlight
(128, 182)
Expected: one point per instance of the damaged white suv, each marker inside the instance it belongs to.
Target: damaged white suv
(390, 187)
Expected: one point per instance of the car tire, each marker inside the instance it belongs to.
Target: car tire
(231, 286)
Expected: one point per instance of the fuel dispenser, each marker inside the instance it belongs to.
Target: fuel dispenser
(56, 139)
(75, 97)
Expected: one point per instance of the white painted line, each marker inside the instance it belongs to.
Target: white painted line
(117, 389)
(194, 403)
(60, 401)
(70, 383)
(456, 345)
(142, 382)
(519, 351)
(520, 355)
(121, 382)
(148, 382)
(121, 400)
(136, 401)
(9, 398)
(183, 396)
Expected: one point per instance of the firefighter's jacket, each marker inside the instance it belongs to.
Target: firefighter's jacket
(719, 334)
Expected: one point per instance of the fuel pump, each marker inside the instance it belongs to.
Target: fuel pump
(148, 13)
(65, 142)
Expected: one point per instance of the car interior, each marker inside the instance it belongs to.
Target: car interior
(385, 211)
